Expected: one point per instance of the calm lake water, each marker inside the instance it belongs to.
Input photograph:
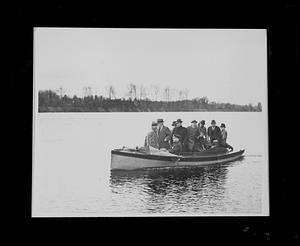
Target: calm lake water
(71, 169)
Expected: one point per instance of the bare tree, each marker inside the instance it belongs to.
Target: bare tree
(203, 100)
(173, 93)
(142, 92)
(134, 90)
(185, 94)
(180, 95)
(147, 92)
(111, 91)
(151, 92)
(131, 90)
(87, 91)
(167, 94)
(259, 107)
(61, 91)
(154, 91)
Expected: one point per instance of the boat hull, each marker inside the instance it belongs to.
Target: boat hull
(122, 160)
(208, 162)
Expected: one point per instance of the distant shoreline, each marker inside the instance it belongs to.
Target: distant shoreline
(63, 110)
(49, 101)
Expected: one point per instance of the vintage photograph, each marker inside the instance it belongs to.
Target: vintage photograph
(146, 122)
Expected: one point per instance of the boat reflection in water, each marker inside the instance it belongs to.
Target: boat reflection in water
(175, 190)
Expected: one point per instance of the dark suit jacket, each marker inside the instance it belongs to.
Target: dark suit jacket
(163, 134)
(192, 133)
(176, 148)
(214, 134)
(182, 131)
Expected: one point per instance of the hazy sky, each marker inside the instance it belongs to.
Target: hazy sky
(224, 65)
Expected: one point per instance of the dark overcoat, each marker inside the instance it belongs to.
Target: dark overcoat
(192, 136)
(214, 134)
(182, 132)
(164, 136)
(176, 148)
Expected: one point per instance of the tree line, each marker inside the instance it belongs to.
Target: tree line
(57, 101)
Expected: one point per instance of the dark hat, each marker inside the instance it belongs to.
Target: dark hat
(179, 121)
(202, 122)
(160, 120)
(213, 122)
(174, 123)
(176, 135)
(223, 125)
(154, 123)
(193, 121)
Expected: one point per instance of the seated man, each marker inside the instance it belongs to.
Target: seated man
(176, 147)
(223, 138)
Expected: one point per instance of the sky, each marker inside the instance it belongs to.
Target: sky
(225, 65)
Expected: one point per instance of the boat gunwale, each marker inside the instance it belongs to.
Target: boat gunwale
(178, 158)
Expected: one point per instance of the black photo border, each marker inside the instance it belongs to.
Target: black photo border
(279, 20)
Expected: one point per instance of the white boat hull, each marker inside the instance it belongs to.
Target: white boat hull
(129, 163)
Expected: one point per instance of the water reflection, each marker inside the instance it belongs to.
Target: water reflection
(173, 189)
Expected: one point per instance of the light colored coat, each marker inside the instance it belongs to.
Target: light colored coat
(202, 131)
(224, 136)
(152, 139)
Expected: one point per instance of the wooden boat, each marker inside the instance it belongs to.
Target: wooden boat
(132, 159)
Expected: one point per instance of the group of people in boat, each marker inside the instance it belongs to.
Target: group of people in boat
(194, 138)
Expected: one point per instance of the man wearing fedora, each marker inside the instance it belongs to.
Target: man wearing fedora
(192, 135)
(152, 137)
(164, 135)
(223, 140)
(182, 132)
(174, 124)
(213, 132)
